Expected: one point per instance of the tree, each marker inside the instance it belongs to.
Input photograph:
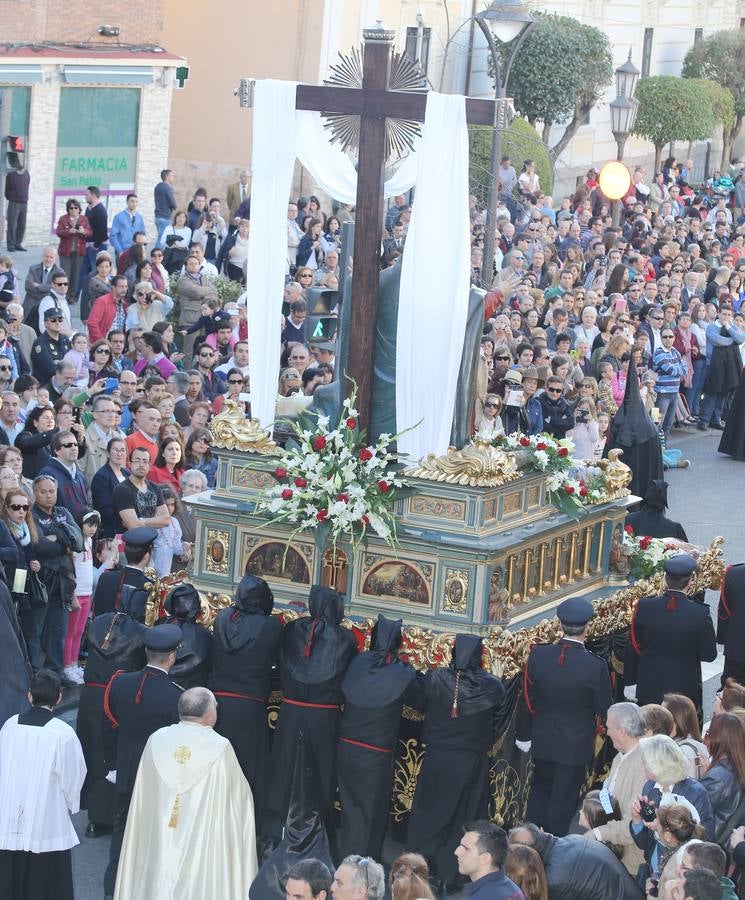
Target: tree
(672, 109)
(559, 74)
(520, 141)
(720, 57)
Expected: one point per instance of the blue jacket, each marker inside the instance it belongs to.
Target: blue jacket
(494, 886)
(670, 367)
(72, 493)
(123, 228)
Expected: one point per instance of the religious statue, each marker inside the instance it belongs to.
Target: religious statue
(233, 431)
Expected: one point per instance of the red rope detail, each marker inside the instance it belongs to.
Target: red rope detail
(366, 746)
(454, 709)
(138, 695)
(311, 705)
(106, 708)
(526, 687)
(563, 654)
(95, 684)
(237, 696)
(632, 633)
(672, 603)
(308, 649)
(723, 599)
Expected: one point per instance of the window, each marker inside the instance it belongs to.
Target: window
(18, 100)
(410, 50)
(698, 34)
(647, 51)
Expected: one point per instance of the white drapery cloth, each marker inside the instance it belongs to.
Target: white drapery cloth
(331, 168)
(435, 279)
(273, 163)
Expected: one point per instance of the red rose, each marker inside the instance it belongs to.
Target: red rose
(524, 442)
(322, 514)
(583, 491)
(384, 487)
(301, 483)
(562, 451)
(287, 494)
(568, 488)
(365, 454)
(645, 542)
(279, 472)
(351, 423)
(365, 521)
(541, 446)
(318, 442)
(628, 529)
(344, 497)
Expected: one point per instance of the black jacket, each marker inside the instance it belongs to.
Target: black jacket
(578, 869)
(726, 794)
(558, 417)
(34, 447)
(731, 613)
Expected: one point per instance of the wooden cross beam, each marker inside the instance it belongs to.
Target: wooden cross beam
(374, 102)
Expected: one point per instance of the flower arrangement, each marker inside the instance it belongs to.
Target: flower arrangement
(646, 555)
(335, 483)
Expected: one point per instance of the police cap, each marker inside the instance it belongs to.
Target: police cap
(53, 312)
(680, 566)
(140, 537)
(575, 612)
(163, 638)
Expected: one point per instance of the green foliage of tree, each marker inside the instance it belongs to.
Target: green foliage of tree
(559, 74)
(520, 141)
(673, 109)
(720, 57)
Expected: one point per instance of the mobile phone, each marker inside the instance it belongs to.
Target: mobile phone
(111, 385)
(515, 398)
(244, 398)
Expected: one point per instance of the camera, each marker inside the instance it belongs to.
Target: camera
(647, 811)
(602, 262)
(148, 299)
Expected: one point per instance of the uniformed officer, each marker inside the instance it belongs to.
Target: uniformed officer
(194, 654)
(731, 623)
(49, 348)
(116, 642)
(136, 705)
(565, 687)
(120, 582)
(670, 637)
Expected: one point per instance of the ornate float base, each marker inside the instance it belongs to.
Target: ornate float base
(468, 558)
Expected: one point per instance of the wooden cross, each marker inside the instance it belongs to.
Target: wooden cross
(373, 103)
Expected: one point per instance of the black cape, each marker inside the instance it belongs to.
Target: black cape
(635, 433)
(650, 518)
(316, 648)
(304, 836)
(733, 438)
(376, 686)
(15, 669)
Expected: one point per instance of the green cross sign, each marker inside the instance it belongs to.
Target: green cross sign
(182, 73)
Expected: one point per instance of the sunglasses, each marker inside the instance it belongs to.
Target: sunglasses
(54, 319)
(61, 283)
(206, 355)
(69, 445)
(235, 381)
(553, 390)
(491, 405)
(103, 350)
(502, 358)
(5, 369)
(17, 507)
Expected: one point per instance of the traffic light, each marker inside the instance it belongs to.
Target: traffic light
(321, 322)
(14, 146)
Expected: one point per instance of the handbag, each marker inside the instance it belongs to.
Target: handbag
(36, 590)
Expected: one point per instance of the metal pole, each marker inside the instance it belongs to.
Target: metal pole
(490, 226)
(615, 211)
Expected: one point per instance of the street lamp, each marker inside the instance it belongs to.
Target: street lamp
(623, 114)
(510, 21)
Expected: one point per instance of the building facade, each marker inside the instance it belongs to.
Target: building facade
(90, 97)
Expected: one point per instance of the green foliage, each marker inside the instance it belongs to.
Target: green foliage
(673, 109)
(562, 65)
(519, 142)
(720, 57)
(722, 102)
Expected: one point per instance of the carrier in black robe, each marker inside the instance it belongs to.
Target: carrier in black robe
(194, 654)
(15, 669)
(315, 653)
(650, 518)
(375, 688)
(453, 786)
(245, 648)
(733, 438)
(635, 433)
(116, 641)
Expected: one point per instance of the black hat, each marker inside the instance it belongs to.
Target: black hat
(183, 602)
(575, 612)
(53, 312)
(681, 566)
(163, 638)
(140, 537)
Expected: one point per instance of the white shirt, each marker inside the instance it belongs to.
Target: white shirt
(51, 301)
(40, 780)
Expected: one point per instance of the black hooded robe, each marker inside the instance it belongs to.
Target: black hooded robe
(116, 642)
(314, 656)
(375, 688)
(453, 785)
(245, 647)
(733, 437)
(15, 669)
(650, 519)
(194, 653)
(635, 433)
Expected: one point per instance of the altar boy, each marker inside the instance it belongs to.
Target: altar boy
(41, 774)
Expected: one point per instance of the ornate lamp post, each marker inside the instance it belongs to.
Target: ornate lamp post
(623, 114)
(510, 21)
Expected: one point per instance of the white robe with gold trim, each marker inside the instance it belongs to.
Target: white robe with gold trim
(190, 830)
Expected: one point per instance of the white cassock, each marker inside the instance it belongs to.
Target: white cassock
(190, 830)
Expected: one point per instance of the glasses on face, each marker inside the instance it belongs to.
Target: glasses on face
(55, 319)
(140, 293)
(61, 283)
(306, 276)
(656, 318)
(235, 381)
(5, 369)
(17, 507)
(206, 355)
(69, 445)
(502, 358)
(139, 390)
(13, 321)
(491, 405)
(103, 350)
(553, 390)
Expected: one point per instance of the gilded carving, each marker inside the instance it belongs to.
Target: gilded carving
(616, 474)
(252, 478)
(217, 559)
(436, 506)
(512, 503)
(455, 594)
(233, 431)
(534, 495)
(405, 776)
(478, 465)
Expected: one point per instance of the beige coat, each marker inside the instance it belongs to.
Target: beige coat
(627, 787)
(95, 452)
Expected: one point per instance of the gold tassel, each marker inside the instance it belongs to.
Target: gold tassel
(173, 821)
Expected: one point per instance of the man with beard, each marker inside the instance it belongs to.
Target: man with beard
(314, 656)
(375, 688)
(246, 640)
(194, 653)
(116, 643)
(459, 703)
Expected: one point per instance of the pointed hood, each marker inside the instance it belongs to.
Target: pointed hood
(304, 836)
(378, 677)
(631, 424)
(316, 648)
(239, 627)
(655, 497)
(183, 603)
(464, 687)
(467, 652)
